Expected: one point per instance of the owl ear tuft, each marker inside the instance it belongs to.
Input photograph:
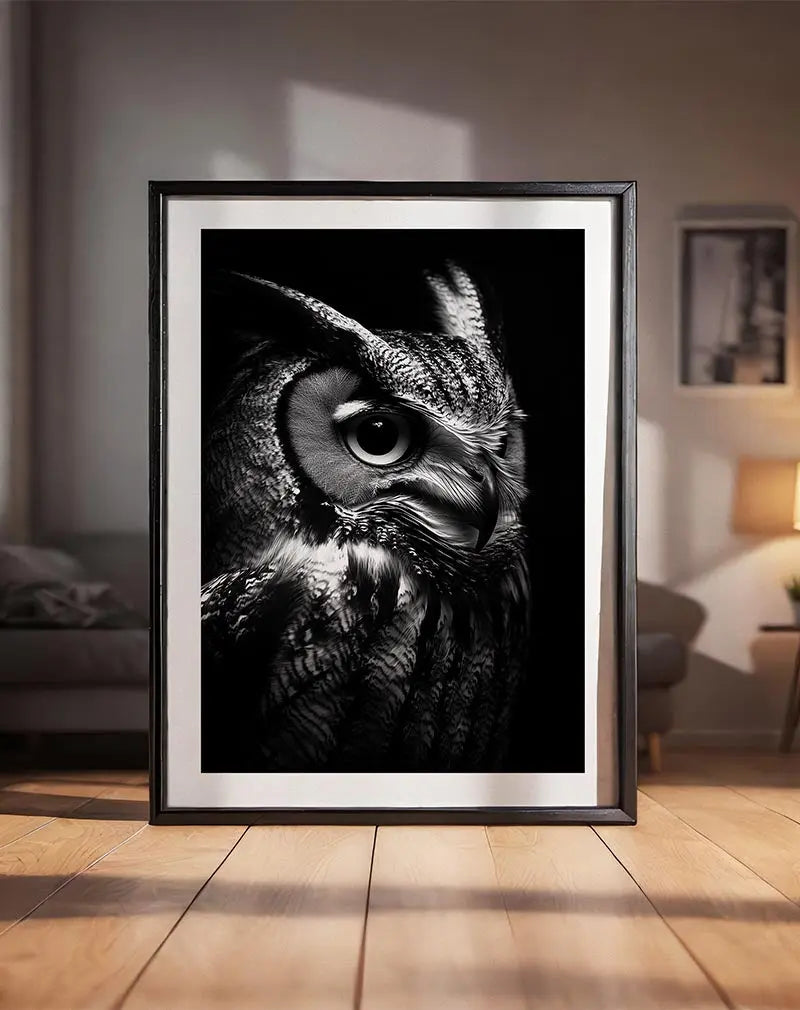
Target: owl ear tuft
(315, 314)
(458, 306)
(259, 310)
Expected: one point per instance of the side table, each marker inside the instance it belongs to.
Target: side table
(792, 718)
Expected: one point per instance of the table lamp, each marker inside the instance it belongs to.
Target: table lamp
(767, 497)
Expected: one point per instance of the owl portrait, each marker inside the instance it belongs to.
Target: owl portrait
(366, 602)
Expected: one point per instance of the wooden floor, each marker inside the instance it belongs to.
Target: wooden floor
(696, 907)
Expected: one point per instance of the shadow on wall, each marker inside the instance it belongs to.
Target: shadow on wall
(719, 703)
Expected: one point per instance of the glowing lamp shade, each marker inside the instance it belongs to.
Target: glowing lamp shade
(767, 497)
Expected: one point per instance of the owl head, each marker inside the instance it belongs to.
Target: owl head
(407, 441)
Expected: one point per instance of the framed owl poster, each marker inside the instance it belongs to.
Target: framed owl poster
(393, 502)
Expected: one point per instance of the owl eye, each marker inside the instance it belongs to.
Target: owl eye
(379, 439)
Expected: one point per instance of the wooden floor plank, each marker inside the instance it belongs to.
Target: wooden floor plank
(14, 826)
(437, 931)
(27, 803)
(86, 944)
(38, 864)
(762, 839)
(585, 934)
(278, 928)
(744, 932)
(782, 800)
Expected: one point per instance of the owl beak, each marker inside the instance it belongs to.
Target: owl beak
(490, 506)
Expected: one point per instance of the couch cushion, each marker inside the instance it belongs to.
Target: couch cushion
(92, 709)
(67, 658)
(661, 659)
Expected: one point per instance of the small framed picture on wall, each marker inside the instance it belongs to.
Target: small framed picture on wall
(735, 312)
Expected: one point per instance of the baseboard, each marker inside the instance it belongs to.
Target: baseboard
(681, 739)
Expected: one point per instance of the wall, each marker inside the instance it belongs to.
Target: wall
(698, 102)
(15, 449)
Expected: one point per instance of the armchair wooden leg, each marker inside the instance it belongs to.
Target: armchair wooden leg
(654, 750)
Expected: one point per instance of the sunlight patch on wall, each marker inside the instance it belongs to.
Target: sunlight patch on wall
(336, 135)
(709, 484)
(228, 165)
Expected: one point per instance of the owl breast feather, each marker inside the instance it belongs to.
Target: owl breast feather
(339, 658)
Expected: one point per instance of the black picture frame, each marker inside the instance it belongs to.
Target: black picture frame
(623, 196)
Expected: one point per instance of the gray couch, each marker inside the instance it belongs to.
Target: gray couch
(90, 679)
